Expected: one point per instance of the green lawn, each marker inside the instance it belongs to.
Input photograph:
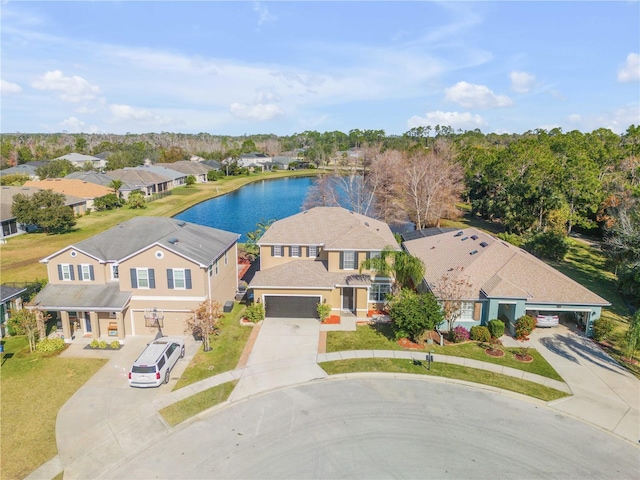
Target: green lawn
(20, 256)
(380, 337)
(187, 408)
(394, 365)
(34, 388)
(226, 348)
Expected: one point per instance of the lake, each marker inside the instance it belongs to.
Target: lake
(241, 210)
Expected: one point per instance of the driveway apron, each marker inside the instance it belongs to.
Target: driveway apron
(285, 353)
(604, 393)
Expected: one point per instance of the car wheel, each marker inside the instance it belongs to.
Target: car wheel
(182, 352)
(166, 377)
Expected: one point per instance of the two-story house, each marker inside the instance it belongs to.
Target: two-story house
(145, 273)
(314, 257)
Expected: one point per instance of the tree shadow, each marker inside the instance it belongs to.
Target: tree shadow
(383, 328)
(586, 351)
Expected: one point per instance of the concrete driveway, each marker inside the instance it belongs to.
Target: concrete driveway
(285, 353)
(604, 393)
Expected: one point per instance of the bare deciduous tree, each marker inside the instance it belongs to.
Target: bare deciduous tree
(204, 321)
(452, 289)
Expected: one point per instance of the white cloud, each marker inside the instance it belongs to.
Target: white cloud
(85, 109)
(557, 94)
(8, 87)
(260, 111)
(70, 89)
(469, 95)
(617, 119)
(630, 71)
(574, 118)
(72, 124)
(140, 115)
(521, 82)
(264, 16)
(463, 120)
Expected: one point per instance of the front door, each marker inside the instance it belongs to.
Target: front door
(87, 322)
(347, 299)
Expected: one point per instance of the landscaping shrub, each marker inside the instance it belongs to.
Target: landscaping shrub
(94, 344)
(524, 326)
(414, 314)
(115, 345)
(102, 344)
(512, 238)
(459, 334)
(549, 245)
(496, 328)
(480, 333)
(48, 345)
(324, 310)
(602, 328)
(254, 312)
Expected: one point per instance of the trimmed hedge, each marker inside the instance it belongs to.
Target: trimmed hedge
(496, 328)
(480, 333)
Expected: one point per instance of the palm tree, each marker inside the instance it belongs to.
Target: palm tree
(406, 270)
(116, 185)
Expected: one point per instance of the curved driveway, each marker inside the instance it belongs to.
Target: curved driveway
(384, 428)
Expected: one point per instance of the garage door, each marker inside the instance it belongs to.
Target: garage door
(291, 307)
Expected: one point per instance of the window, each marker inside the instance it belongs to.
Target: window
(277, 250)
(215, 268)
(85, 272)
(466, 311)
(348, 260)
(114, 272)
(226, 258)
(210, 270)
(313, 251)
(379, 291)
(179, 278)
(373, 254)
(65, 272)
(143, 278)
(295, 251)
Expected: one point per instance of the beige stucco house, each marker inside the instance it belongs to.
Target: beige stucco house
(141, 274)
(314, 257)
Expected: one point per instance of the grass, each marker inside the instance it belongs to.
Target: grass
(34, 388)
(187, 408)
(226, 349)
(20, 256)
(380, 337)
(483, 377)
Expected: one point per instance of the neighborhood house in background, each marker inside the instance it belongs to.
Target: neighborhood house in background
(141, 275)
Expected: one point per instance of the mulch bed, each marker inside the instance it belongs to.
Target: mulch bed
(523, 358)
(332, 320)
(494, 353)
(406, 343)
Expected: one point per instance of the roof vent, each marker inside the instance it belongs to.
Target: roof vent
(484, 244)
(458, 234)
(474, 237)
(464, 238)
(173, 241)
(473, 252)
(366, 223)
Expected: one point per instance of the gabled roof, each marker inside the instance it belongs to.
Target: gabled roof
(187, 167)
(195, 242)
(21, 169)
(9, 293)
(79, 157)
(163, 171)
(99, 179)
(496, 269)
(305, 274)
(335, 228)
(69, 186)
(137, 177)
(216, 165)
(7, 194)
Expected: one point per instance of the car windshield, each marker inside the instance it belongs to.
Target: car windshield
(143, 369)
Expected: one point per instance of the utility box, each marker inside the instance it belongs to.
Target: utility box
(228, 306)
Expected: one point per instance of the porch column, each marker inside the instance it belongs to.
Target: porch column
(95, 325)
(66, 326)
(120, 325)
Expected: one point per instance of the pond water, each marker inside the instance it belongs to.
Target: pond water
(241, 210)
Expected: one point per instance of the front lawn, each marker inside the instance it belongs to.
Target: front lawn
(394, 365)
(226, 349)
(34, 388)
(187, 408)
(380, 337)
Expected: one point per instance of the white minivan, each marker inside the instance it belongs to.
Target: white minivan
(154, 365)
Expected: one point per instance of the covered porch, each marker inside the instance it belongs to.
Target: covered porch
(86, 311)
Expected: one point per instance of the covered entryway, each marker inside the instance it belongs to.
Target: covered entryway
(291, 306)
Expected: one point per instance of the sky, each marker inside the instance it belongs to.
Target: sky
(243, 68)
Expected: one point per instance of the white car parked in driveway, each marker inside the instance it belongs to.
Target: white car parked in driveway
(547, 320)
(154, 365)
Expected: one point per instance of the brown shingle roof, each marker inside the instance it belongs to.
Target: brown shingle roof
(188, 167)
(68, 186)
(333, 227)
(498, 270)
(305, 273)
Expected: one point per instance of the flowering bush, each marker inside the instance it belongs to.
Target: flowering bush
(460, 334)
(524, 326)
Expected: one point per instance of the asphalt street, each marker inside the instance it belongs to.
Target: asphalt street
(384, 428)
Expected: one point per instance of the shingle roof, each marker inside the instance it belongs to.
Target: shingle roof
(70, 186)
(21, 169)
(497, 270)
(161, 170)
(196, 242)
(8, 293)
(7, 194)
(188, 167)
(305, 273)
(99, 179)
(216, 165)
(335, 228)
(79, 157)
(137, 177)
(106, 297)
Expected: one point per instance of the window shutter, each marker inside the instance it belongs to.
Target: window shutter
(71, 272)
(341, 260)
(134, 278)
(59, 272)
(187, 278)
(477, 311)
(91, 275)
(170, 278)
(80, 272)
(290, 251)
(273, 251)
(152, 278)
